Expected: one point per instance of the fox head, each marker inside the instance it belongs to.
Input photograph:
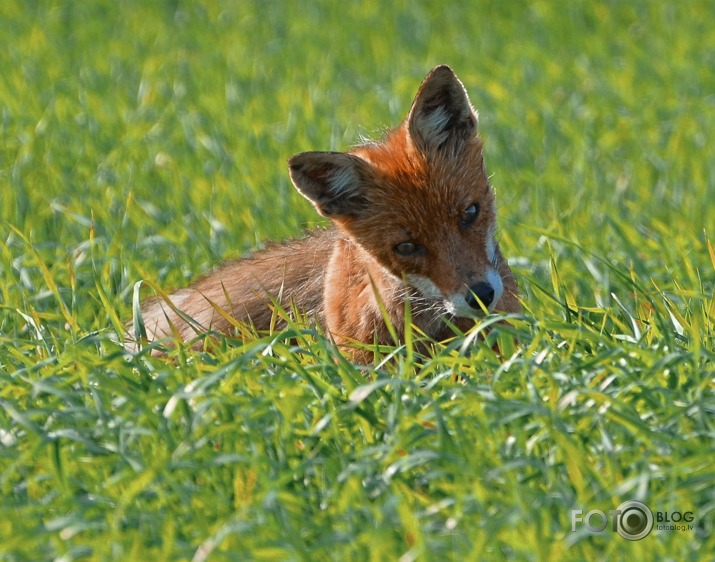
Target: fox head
(419, 202)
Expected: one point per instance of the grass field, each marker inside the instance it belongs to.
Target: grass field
(147, 140)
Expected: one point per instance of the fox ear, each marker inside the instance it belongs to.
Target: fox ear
(441, 117)
(334, 182)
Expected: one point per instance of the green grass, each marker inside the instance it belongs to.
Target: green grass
(148, 140)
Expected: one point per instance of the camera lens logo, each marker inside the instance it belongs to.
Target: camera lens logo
(634, 520)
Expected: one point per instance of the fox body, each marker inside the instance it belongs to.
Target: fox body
(413, 218)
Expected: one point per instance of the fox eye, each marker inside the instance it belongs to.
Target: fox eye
(408, 249)
(469, 215)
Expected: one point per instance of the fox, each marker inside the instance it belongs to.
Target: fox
(412, 226)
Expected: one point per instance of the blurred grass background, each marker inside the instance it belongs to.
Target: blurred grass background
(148, 140)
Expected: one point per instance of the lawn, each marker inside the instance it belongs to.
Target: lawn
(145, 141)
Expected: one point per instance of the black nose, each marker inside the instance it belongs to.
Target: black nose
(482, 291)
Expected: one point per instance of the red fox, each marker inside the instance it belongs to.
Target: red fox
(414, 218)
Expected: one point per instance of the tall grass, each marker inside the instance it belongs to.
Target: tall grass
(148, 140)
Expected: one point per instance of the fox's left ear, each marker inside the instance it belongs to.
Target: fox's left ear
(442, 117)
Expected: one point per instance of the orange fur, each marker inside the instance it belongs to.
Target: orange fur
(413, 218)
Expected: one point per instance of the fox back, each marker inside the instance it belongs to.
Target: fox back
(414, 218)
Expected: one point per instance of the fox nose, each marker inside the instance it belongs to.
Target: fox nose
(482, 291)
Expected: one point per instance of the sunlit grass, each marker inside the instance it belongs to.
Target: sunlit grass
(148, 141)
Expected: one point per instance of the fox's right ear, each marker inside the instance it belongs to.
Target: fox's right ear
(335, 182)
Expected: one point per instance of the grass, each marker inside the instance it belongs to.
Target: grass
(148, 140)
